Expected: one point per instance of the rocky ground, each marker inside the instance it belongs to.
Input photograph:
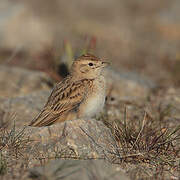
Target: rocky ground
(137, 134)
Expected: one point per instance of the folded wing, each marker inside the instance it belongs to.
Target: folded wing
(65, 97)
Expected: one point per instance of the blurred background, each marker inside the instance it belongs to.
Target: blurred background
(136, 36)
(39, 39)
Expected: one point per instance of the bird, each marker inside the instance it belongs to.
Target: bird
(80, 95)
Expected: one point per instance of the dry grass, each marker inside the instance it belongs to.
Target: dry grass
(146, 142)
(145, 147)
(13, 160)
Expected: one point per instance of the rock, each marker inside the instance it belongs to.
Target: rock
(15, 81)
(81, 138)
(21, 110)
(122, 84)
(79, 169)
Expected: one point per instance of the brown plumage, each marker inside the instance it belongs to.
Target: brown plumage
(77, 95)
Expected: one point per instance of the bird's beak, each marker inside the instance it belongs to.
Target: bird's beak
(104, 63)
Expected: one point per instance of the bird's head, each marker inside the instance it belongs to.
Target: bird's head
(88, 66)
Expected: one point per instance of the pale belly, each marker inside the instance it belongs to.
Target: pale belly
(95, 101)
(94, 105)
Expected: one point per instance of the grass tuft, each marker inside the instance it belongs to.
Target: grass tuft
(147, 139)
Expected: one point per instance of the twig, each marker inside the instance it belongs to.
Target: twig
(142, 127)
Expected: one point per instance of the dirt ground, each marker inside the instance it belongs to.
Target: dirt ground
(137, 37)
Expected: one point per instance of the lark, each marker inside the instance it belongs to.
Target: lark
(79, 95)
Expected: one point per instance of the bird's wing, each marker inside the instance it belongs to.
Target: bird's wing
(65, 97)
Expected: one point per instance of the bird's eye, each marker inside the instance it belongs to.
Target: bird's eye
(90, 64)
